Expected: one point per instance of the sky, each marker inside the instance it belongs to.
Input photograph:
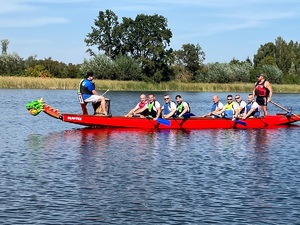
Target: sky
(224, 29)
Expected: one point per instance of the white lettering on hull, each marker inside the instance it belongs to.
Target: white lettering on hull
(74, 118)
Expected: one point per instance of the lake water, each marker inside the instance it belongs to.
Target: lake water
(58, 173)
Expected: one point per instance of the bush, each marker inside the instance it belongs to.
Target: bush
(127, 68)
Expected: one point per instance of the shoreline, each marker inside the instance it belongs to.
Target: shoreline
(72, 84)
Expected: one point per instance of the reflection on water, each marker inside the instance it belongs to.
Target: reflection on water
(120, 176)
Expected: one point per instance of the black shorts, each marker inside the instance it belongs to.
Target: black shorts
(262, 101)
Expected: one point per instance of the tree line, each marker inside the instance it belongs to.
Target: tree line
(139, 49)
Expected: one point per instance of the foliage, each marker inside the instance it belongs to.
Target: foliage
(105, 34)
(226, 73)
(37, 71)
(101, 65)
(272, 73)
(145, 39)
(11, 64)
(190, 56)
(127, 68)
(283, 56)
(4, 45)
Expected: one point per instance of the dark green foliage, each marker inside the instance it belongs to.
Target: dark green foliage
(127, 68)
(190, 56)
(145, 39)
(283, 56)
(11, 64)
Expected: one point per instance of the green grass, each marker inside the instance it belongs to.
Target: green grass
(72, 84)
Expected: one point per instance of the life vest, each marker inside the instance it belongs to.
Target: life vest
(83, 89)
(261, 90)
(214, 106)
(167, 107)
(152, 109)
(255, 113)
(180, 108)
(142, 104)
(229, 112)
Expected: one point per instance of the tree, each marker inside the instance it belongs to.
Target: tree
(11, 64)
(147, 39)
(101, 65)
(191, 56)
(105, 34)
(4, 45)
(265, 50)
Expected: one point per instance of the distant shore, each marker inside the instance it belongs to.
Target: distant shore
(72, 84)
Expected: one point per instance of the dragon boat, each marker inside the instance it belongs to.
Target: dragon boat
(190, 121)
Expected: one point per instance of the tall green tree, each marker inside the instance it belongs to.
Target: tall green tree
(190, 56)
(283, 55)
(105, 35)
(265, 50)
(147, 39)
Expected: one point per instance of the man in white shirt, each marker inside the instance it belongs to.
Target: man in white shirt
(252, 108)
(241, 109)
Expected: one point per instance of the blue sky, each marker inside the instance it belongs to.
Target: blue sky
(225, 29)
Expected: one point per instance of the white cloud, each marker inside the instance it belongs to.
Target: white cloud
(32, 22)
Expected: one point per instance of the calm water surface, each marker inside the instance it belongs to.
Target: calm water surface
(58, 173)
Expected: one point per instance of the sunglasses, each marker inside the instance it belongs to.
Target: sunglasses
(166, 98)
(237, 97)
(229, 99)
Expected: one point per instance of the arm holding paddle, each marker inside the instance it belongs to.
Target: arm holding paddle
(170, 114)
(158, 113)
(248, 114)
(136, 111)
(131, 112)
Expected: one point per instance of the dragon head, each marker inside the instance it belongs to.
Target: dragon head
(35, 107)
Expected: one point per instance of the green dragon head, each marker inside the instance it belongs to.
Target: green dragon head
(35, 107)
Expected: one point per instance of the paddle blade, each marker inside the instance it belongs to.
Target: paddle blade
(164, 122)
(188, 115)
(240, 122)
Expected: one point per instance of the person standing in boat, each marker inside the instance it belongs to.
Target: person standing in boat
(252, 108)
(169, 108)
(241, 109)
(263, 92)
(89, 94)
(216, 107)
(182, 107)
(140, 108)
(229, 108)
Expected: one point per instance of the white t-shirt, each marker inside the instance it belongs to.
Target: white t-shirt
(242, 104)
(220, 105)
(254, 105)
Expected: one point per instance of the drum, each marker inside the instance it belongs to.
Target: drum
(98, 108)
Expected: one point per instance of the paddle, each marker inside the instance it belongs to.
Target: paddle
(105, 92)
(279, 106)
(235, 120)
(161, 120)
(240, 122)
(164, 121)
(188, 115)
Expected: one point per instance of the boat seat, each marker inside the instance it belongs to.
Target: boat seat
(82, 104)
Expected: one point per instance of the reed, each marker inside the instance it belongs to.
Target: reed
(72, 84)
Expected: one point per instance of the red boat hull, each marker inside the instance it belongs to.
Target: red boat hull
(188, 123)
